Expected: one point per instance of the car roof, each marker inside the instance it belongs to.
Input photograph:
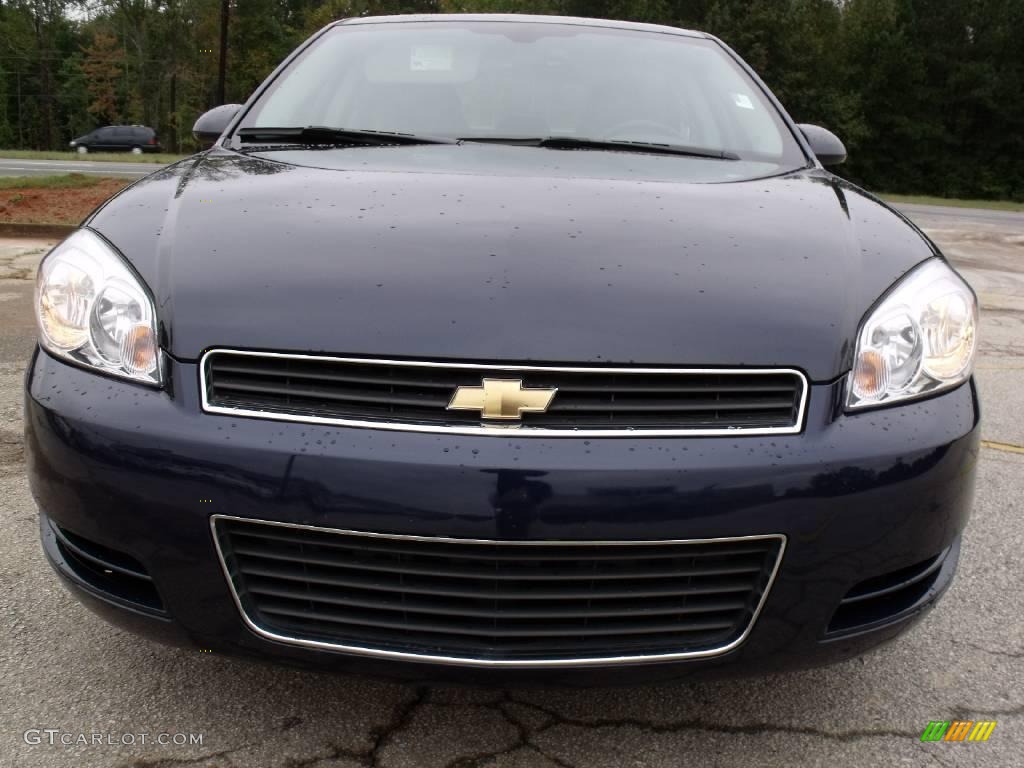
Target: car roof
(522, 18)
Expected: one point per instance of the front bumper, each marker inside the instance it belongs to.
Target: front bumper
(856, 496)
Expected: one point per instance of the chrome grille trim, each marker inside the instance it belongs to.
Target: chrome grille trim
(500, 430)
(494, 663)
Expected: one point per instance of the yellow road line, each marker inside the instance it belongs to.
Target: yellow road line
(1008, 447)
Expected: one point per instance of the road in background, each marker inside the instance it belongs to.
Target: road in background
(63, 668)
(941, 216)
(12, 167)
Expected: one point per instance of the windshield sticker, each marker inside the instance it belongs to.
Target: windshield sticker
(431, 58)
(743, 101)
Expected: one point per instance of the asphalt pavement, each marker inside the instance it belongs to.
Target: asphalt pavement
(62, 668)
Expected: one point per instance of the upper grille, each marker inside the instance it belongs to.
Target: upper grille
(524, 603)
(599, 401)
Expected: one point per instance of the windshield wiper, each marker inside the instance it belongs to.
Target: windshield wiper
(320, 134)
(572, 142)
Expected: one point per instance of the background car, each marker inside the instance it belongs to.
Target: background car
(118, 138)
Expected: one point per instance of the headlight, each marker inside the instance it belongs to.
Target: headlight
(920, 339)
(92, 309)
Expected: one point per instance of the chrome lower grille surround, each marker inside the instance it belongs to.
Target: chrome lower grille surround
(590, 401)
(485, 603)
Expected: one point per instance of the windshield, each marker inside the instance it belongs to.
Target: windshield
(492, 80)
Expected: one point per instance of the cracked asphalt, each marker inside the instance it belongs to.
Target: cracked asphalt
(63, 668)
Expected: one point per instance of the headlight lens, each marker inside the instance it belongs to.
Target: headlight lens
(920, 339)
(92, 309)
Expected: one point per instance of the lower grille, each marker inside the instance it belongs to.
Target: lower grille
(494, 603)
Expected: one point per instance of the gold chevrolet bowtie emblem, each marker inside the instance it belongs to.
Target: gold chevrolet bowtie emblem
(502, 399)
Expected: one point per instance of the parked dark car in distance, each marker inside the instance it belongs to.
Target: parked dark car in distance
(117, 138)
(505, 348)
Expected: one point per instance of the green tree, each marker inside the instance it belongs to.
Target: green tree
(7, 137)
(73, 98)
(887, 71)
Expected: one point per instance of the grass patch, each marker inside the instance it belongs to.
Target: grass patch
(63, 181)
(992, 205)
(99, 157)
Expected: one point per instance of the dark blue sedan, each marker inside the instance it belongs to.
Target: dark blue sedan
(505, 347)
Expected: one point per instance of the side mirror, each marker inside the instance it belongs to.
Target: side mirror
(211, 125)
(824, 144)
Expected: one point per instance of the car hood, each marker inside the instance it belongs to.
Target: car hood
(500, 257)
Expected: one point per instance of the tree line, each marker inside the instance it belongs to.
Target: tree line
(927, 94)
